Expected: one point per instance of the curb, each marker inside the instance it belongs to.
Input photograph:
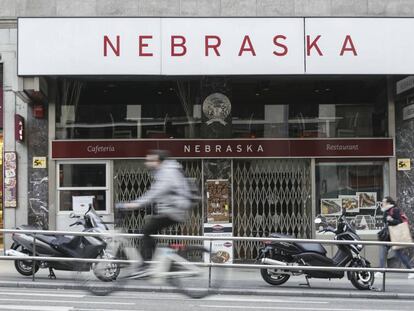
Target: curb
(225, 291)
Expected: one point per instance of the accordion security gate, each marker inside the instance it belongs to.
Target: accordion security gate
(268, 196)
(132, 179)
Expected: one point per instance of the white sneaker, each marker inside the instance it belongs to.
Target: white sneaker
(379, 275)
(411, 275)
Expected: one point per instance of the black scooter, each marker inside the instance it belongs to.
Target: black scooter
(65, 246)
(314, 254)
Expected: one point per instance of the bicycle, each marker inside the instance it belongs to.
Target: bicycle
(177, 264)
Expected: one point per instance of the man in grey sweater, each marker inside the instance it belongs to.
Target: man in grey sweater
(170, 193)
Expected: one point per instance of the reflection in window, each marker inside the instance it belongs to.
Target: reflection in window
(271, 107)
(81, 175)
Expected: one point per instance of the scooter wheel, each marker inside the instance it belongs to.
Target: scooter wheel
(274, 278)
(361, 280)
(24, 267)
(106, 272)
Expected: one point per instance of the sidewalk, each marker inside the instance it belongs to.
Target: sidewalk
(237, 282)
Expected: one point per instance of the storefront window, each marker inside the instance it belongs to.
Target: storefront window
(1, 189)
(83, 182)
(1, 154)
(357, 187)
(246, 107)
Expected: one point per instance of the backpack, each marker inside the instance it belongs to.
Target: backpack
(193, 193)
(190, 191)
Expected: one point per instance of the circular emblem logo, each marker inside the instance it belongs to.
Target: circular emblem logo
(216, 107)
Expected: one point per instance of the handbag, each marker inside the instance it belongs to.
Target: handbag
(400, 233)
(384, 234)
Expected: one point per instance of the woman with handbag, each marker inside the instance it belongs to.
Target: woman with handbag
(395, 230)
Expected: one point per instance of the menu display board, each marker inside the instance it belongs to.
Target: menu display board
(218, 200)
(361, 210)
(221, 250)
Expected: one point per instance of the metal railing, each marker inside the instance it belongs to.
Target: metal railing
(211, 239)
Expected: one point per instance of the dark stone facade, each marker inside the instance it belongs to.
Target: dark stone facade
(405, 179)
(38, 182)
(405, 149)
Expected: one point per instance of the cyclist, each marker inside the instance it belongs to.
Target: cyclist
(169, 192)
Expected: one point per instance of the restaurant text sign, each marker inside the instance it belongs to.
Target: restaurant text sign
(231, 148)
(212, 46)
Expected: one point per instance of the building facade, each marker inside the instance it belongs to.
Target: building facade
(282, 110)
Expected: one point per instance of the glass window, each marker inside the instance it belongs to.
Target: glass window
(81, 175)
(357, 187)
(260, 107)
(83, 179)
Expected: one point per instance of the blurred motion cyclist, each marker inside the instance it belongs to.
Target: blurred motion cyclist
(170, 193)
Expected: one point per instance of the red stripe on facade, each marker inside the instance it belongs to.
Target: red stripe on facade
(232, 148)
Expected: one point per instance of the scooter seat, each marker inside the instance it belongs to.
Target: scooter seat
(281, 236)
(305, 247)
(312, 247)
(28, 227)
(41, 237)
(48, 239)
(63, 241)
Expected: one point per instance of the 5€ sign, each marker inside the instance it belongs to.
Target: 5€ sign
(39, 162)
(404, 164)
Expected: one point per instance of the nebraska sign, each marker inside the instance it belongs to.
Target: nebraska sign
(210, 46)
(224, 148)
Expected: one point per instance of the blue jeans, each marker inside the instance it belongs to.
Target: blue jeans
(398, 252)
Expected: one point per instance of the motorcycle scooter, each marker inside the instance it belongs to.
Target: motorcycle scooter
(65, 246)
(314, 254)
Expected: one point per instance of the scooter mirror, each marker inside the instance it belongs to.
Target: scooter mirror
(72, 215)
(318, 220)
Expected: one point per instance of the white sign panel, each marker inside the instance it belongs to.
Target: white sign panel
(133, 46)
(212, 46)
(359, 45)
(221, 250)
(80, 204)
(89, 46)
(215, 46)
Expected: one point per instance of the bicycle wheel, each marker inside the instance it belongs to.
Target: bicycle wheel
(195, 281)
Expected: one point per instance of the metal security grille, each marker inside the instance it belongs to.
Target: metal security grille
(132, 179)
(270, 196)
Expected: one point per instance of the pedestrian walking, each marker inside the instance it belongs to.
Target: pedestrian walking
(395, 230)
